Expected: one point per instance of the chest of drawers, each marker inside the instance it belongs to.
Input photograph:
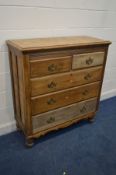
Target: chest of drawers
(56, 81)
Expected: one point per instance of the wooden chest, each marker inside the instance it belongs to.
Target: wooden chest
(56, 81)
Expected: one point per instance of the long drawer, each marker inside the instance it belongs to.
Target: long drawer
(42, 67)
(58, 116)
(87, 60)
(55, 100)
(65, 80)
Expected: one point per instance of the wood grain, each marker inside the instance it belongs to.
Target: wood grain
(58, 116)
(65, 80)
(56, 42)
(87, 60)
(15, 84)
(27, 100)
(21, 86)
(52, 101)
(44, 67)
(63, 125)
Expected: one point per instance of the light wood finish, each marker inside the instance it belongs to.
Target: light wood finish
(14, 73)
(67, 123)
(45, 103)
(56, 42)
(58, 116)
(50, 66)
(66, 80)
(87, 60)
(55, 83)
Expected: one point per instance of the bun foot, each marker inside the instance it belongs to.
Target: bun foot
(29, 143)
(91, 120)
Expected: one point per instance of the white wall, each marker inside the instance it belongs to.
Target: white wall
(41, 18)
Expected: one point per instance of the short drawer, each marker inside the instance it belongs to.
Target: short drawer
(55, 100)
(61, 115)
(65, 80)
(42, 67)
(87, 60)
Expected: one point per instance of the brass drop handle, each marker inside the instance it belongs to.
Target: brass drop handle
(89, 61)
(83, 109)
(85, 92)
(52, 85)
(52, 67)
(88, 76)
(51, 119)
(51, 101)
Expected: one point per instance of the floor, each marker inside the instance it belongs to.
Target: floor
(82, 149)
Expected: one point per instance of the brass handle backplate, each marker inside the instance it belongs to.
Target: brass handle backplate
(89, 61)
(51, 119)
(52, 85)
(52, 67)
(87, 77)
(85, 92)
(51, 101)
(83, 109)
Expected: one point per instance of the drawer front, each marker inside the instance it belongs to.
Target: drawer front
(39, 68)
(48, 102)
(66, 80)
(87, 60)
(58, 116)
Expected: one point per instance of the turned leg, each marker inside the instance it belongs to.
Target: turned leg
(29, 142)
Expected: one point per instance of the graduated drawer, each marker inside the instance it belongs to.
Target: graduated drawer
(87, 60)
(62, 98)
(42, 67)
(65, 80)
(58, 116)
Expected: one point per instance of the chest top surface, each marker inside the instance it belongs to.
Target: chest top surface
(55, 42)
